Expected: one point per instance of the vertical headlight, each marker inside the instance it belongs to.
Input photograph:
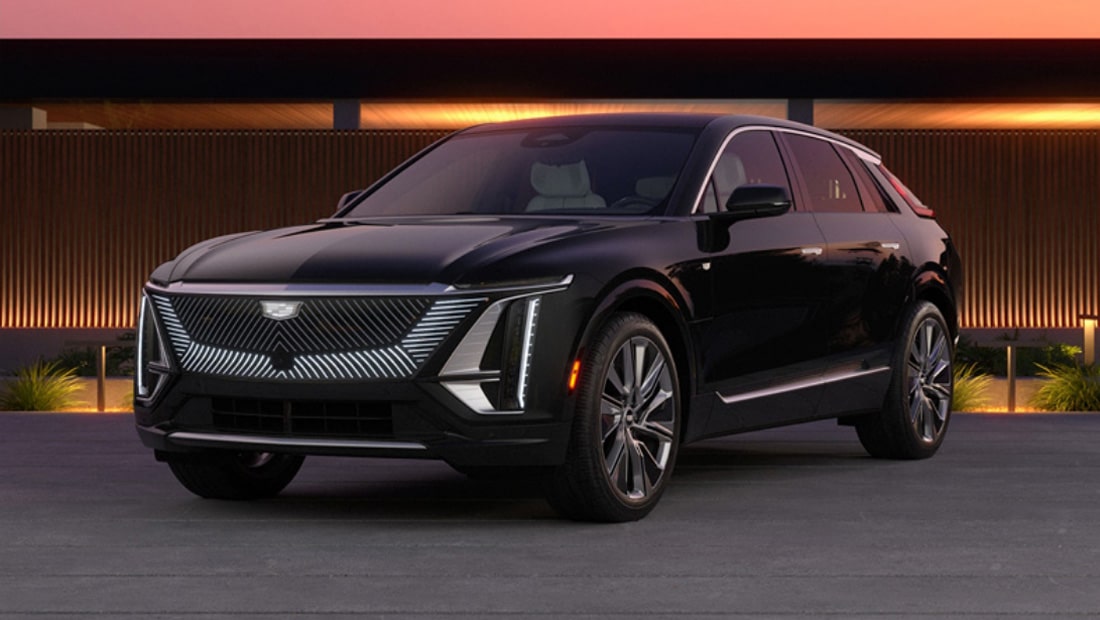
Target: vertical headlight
(490, 370)
(152, 359)
(518, 346)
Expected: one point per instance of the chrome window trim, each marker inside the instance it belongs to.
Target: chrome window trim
(696, 207)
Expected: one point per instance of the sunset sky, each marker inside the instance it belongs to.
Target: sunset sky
(362, 19)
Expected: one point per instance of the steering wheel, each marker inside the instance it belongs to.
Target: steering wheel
(626, 201)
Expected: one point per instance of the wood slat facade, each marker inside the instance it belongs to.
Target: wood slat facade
(88, 214)
(1024, 209)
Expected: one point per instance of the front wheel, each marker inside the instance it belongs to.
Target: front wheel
(626, 428)
(914, 417)
(235, 475)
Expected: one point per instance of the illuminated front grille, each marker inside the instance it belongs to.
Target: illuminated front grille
(328, 338)
(338, 324)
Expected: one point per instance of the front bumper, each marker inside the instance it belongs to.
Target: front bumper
(406, 420)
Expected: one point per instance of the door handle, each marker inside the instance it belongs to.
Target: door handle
(889, 245)
(811, 251)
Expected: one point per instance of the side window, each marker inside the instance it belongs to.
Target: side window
(906, 194)
(829, 184)
(710, 203)
(751, 158)
(874, 195)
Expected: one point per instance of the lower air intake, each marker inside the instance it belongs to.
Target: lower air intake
(365, 420)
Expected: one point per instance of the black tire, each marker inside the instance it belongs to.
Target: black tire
(235, 475)
(624, 438)
(917, 410)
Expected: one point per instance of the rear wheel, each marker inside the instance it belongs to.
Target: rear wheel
(235, 475)
(917, 410)
(626, 430)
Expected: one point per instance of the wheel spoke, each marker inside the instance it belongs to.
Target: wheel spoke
(653, 465)
(626, 354)
(660, 398)
(914, 369)
(616, 382)
(939, 350)
(610, 403)
(929, 419)
(926, 350)
(638, 483)
(656, 430)
(652, 378)
(937, 392)
(640, 346)
(657, 441)
(936, 372)
(941, 412)
(613, 455)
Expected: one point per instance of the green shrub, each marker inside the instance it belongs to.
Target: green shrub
(84, 360)
(41, 386)
(971, 388)
(1031, 356)
(127, 401)
(984, 360)
(1031, 361)
(1068, 388)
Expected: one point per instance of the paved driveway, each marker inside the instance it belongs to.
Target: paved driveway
(1005, 521)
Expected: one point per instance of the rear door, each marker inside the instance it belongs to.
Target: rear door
(865, 265)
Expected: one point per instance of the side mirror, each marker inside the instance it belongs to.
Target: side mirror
(348, 198)
(747, 202)
(750, 201)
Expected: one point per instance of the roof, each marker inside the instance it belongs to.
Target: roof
(721, 123)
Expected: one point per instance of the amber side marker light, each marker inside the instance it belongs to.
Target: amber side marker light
(573, 374)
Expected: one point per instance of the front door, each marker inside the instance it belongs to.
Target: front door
(762, 351)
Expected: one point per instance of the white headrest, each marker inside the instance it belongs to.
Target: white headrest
(567, 180)
(654, 188)
(729, 173)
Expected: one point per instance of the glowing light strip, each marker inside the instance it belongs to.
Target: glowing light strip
(386, 363)
(529, 322)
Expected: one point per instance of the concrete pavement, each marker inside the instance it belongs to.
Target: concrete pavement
(1003, 522)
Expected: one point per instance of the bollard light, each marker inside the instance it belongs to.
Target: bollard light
(1089, 324)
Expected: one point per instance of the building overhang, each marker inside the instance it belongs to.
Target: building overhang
(547, 69)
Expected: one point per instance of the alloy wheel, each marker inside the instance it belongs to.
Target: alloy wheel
(637, 419)
(929, 389)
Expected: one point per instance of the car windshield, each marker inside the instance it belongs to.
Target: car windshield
(560, 170)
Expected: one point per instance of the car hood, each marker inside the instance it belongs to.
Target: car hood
(410, 251)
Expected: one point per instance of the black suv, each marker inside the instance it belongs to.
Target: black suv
(570, 299)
